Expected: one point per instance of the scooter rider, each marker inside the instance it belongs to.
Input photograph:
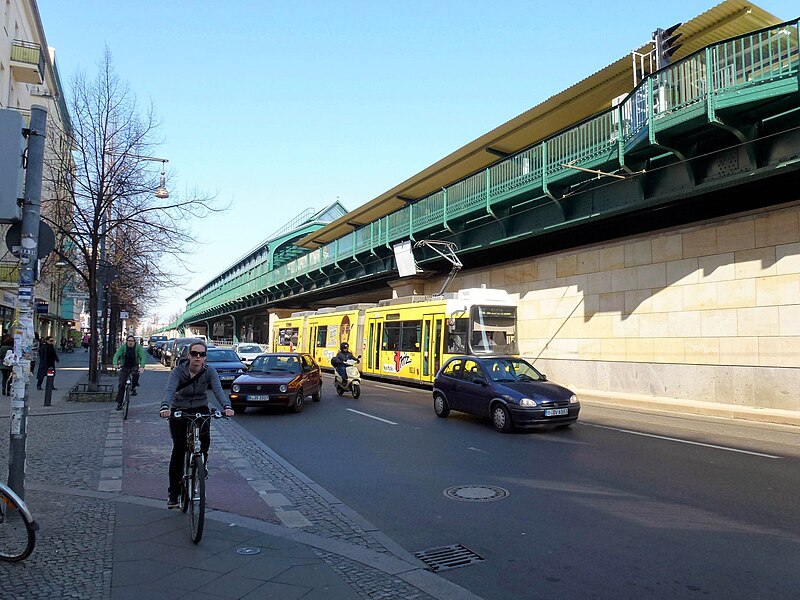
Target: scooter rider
(339, 363)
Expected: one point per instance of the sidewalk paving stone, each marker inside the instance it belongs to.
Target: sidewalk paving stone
(97, 486)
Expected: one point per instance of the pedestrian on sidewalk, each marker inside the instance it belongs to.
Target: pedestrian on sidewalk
(86, 339)
(6, 345)
(131, 361)
(47, 360)
(186, 390)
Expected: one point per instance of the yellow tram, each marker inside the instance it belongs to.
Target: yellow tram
(408, 338)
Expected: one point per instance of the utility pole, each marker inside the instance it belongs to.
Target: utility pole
(23, 333)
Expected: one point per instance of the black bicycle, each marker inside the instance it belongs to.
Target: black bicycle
(17, 527)
(193, 484)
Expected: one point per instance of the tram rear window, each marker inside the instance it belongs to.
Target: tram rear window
(403, 336)
(287, 336)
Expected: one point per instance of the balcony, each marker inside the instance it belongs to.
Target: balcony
(27, 62)
(9, 273)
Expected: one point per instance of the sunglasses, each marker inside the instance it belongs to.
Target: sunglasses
(195, 354)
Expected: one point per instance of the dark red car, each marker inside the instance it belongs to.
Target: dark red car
(277, 379)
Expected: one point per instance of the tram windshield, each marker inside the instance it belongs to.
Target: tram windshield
(494, 330)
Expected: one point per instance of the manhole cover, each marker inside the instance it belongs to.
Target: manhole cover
(448, 557)
(248, 550)
(476, 493)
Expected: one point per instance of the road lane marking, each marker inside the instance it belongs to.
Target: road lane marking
(395, 388)
(671, 439)
(358, 412)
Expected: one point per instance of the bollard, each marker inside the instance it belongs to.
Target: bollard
(48, 387)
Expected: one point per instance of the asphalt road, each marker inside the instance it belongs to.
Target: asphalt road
(625, 504)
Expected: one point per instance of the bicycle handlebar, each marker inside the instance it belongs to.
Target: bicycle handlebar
(181, 414)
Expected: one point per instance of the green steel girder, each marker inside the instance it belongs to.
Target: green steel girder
(680, 121)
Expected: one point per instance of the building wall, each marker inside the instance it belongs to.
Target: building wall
(708, 312)
(20, 20)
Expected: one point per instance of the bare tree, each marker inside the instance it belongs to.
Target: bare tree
(115, 224)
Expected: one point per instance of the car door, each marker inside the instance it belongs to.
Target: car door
(449, 382)
(474, 391)
(311, 375)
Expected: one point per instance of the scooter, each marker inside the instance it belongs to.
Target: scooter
(353, 384)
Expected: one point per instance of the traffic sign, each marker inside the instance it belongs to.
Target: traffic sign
(77, 295)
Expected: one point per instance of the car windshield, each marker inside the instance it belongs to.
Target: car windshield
(276, 364)
(249, 349)
(511, 369)
(222, 355)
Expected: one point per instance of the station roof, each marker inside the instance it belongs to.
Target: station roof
(578, 102)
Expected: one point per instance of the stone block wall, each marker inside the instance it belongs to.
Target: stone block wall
(706, 312)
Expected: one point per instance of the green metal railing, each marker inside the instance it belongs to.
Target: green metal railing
(749, 68)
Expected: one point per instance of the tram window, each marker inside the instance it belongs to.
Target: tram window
(391, 337)
(494, 329)
(457, 336)
(403, 336)
(288, 336)
(322, 336)
(410, 334)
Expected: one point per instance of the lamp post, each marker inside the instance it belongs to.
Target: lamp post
(107, 272)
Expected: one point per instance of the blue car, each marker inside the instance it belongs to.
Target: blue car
(506, 389)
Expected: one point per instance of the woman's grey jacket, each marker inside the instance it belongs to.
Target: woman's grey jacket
(194, 394)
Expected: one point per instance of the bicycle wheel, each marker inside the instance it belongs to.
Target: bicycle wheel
(127, 401)
(185, 482)
(197, 507)
(17, 531)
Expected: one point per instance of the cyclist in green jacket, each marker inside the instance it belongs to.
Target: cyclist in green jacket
(130, 359)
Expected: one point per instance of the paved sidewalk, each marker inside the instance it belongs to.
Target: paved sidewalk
(97, 487)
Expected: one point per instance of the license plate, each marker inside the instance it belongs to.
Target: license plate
(554, 412)
(256, 398)
(226, 377)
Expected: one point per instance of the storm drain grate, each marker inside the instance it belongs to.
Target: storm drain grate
(448, 557)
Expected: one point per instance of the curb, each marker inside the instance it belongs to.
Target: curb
(678, 406)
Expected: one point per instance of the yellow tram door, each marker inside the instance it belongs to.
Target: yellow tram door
(375, 333)
(312, 341)
(432, 335)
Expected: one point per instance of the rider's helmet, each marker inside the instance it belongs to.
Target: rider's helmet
(344, 347)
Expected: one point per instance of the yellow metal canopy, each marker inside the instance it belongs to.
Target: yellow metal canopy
(584, 99)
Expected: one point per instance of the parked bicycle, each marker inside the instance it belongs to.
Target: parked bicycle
(193, 484)
(17, 527)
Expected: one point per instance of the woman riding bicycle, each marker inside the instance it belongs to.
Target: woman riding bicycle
(186, 391)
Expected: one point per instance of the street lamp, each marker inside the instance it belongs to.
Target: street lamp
(161, 193)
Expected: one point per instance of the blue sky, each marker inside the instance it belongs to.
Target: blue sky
(275, 107)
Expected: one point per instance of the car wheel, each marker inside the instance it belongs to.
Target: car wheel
(318, 396)
(299, 402)
(239, 409)
(440, 406)
(501, 418)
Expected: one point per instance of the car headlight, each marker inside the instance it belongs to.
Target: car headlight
(283, 389)
(527, 402)
(236, 388)
(573, 399)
